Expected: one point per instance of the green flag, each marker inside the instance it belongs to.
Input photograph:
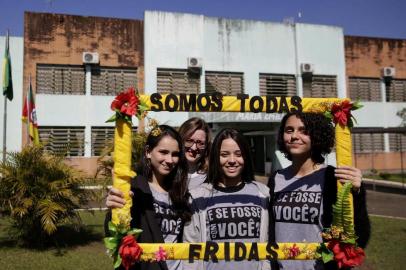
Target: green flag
(7, 79)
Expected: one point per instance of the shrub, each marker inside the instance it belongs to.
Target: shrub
(384, 175)
(39, 192)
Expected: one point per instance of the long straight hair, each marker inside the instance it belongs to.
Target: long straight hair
(176, 181)
(216, 174)
(191, 126)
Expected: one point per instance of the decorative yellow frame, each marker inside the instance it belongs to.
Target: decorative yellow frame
(123, 174)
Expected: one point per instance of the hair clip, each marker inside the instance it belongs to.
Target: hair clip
(156, 132)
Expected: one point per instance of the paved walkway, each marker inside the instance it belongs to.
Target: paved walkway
(386, 204)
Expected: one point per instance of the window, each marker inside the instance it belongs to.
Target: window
(101, 137)
(111, 81)
(397, 142)
(368, 142)
(227, 83)
(396, 91)
(365, 89)
(319, 86)
(277, 85)
(177, 81)
(69, 140)
(60, 79)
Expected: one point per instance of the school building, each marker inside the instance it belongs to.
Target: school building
(78, 64)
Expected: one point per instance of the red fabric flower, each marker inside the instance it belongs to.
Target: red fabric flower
(129, 251)
(161, 255)
(294, 251)
(346, 255)
(341, 112)
(126, 102)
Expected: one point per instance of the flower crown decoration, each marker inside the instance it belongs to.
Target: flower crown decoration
(340, 112)
(340, 239)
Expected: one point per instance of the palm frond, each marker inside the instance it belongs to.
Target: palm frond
(342, 210)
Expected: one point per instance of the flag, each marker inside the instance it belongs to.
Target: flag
(7, 79)
(30, 116)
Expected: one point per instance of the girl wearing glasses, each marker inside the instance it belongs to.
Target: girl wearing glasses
(302, 195)
(230, 206)
(196, 137)
(159, 194)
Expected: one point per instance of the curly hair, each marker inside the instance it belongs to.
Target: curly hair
(319, 128)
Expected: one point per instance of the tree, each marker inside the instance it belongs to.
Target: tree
(39, 192)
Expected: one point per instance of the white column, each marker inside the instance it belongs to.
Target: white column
(386, 142)
(299, 81)
(383, 99)
(88, 127)
(383, 91)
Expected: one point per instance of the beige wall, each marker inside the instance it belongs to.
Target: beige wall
(388, 162)
(365, 56)
(62, 39)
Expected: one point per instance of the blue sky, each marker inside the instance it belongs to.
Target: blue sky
(374, 18)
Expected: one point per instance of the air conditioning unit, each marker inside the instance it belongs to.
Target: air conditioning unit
(388, 72)
(194, 63)
(90, 58)
(307, 68)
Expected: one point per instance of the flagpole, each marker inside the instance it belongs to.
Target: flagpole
(28, 100)
(5, 129)
(5, 113)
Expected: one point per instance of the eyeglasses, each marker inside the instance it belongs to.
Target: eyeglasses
(191, 142)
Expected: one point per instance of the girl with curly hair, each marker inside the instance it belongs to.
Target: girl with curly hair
(302, 195)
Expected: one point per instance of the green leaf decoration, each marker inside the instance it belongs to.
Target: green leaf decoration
(357, 105)
(328, 114)
(111, 242)
(135, 232)
(325, 254)
(112, 227)
(112, 119)
(342, 214)
(350, 241)
(117, 262)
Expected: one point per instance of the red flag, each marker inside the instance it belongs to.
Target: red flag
(30, 116)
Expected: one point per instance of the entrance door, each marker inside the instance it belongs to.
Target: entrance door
(258, 153)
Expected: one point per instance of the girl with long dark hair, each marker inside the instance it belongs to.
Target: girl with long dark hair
(230, 206)
(159, 193)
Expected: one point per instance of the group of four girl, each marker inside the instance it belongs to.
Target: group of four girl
(191, 191)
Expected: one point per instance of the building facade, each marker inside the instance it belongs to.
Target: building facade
(73, 94)
(376, 75)
(77, 65)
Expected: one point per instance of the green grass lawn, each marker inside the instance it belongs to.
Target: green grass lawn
(386, 249)
(85, 250)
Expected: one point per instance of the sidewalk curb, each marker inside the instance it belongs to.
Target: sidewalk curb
(385, 186)
(370, 184)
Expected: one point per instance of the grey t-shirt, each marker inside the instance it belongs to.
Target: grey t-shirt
(234, 214)
(195, 179)
(170, 225)
(298, 210)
